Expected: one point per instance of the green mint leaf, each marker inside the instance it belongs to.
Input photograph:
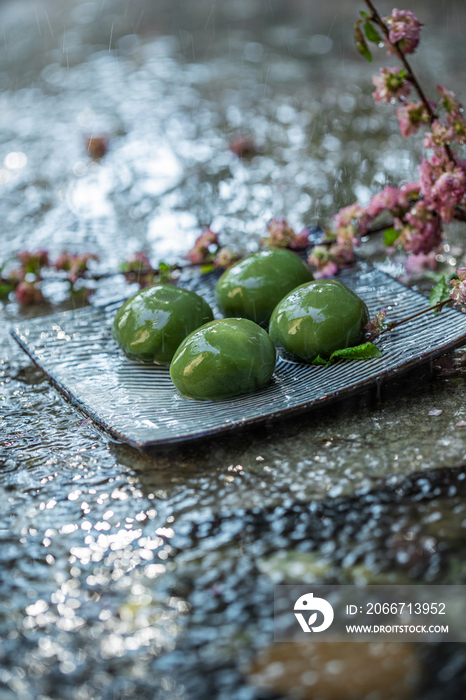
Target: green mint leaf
(390, 236)
(441, 292)
(320, 361)
(366, 351)
(372, 33)
(360, 42)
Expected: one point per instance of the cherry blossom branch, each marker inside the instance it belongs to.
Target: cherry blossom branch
(331, 241)
(419, 209)
(410, 73)
(377, 325)
(140, 272)
(435, 307)
(411, 77)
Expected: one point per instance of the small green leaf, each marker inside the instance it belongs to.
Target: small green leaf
(360, 42)
(441, 292)
(390, 236)
(5, 289)
(366, 351)
(371, 32)
(207, 268)
(364, 15)
(320, 361)
(165, 273)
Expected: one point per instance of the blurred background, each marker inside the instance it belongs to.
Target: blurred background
(170, 84)
(151, 576)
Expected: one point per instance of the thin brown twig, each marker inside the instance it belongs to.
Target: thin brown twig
(395, 324)
(185, 266)
(460, 214)
(139, 273)
(411, 77)
(331, 241)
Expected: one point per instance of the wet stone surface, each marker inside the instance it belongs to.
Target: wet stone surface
(128, 575)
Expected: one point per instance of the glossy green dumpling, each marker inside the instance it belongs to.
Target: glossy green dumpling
(318, 318)
(224, 358)
(150, 326)
(254, 286)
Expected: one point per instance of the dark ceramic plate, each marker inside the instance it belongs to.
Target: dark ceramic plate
(139, 404)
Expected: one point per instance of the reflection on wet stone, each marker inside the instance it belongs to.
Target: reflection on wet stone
(129, 575)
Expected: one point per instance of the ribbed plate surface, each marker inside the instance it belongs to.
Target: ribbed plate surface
(139, 404)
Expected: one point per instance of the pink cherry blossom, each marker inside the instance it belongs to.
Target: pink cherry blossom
(410, 117)
(394, 200)
(390, 85)
(458, 292)
(328, 260)
(421, 229)
(449, 101)
(439, 135)
(448, 191)
(329, 269)
(454, 113)
(75, 264)
(458, 126)
(301, 240)
(443, 184)
(342, 254)
(279, 234)
(346, 225)
(375, 325)
(416, 265)
(386, 200)
(28, 293)
(138, 269)
(409, 193)
(225, 258)
(33, 261)
(137, 262)
(321, 259)
(404, 30)
(201, 251)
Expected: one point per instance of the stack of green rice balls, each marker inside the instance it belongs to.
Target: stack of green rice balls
(217, 359)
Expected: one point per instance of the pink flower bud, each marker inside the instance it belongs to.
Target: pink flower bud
(244, 147)
(28, 293)
(404, 30)
(201, 252)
